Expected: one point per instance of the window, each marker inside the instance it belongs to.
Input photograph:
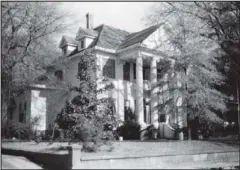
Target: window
(82, 44)
(59, 74)
(25, 105)
(146, 73)
(162, 118)
(134, 71)
(65, 50)
(109, 68)
(159, 75)
(126, 71)
(22, 113)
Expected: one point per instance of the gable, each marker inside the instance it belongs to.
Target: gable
(138, 37)
(158, 40)
(67, 40)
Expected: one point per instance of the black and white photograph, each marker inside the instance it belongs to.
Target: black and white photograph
(120, 85)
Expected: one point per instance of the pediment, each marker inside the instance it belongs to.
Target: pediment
(158, 40)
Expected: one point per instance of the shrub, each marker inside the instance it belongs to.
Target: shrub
(131, 128)
(24, 131)
(202, 127)
(86, 114)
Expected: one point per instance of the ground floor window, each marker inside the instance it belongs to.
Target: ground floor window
(162, 118)
(22, 114)
(126, 71)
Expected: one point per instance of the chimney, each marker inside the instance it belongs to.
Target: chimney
(89, 18)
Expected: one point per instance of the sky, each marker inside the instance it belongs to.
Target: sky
(123, 15)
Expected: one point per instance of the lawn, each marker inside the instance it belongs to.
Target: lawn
(134, 148)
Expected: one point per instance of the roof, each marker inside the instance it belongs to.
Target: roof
(67, 40)
(138, 37)
(114, 38)
(109, 37)
(86, 32)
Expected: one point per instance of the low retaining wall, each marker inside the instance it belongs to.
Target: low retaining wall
(46, 160)
(157, 161)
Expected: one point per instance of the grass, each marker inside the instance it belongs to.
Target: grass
(134, 148)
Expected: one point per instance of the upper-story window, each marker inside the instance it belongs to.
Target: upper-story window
(146, 73)
(82, 44)
(64, 49)
(126, 71)
(109, 68)
(59, 74)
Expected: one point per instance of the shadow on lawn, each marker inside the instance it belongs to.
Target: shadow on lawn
(227, 142)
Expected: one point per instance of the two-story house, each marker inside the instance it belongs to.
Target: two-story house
(130, 60)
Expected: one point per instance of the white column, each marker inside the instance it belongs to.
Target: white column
(154, 101)
(139, 89)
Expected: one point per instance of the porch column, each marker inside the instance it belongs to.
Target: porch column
(139, 89)
(154, 101)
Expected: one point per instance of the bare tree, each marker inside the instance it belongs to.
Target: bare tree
(27, 31)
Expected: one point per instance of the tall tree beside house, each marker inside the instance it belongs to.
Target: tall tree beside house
(223, 19)
(223, 27)
(87, 114)
(27, 31)
(195, 73)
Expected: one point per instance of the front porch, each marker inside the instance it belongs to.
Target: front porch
(146, 73)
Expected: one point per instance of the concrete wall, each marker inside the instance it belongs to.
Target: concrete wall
(166, 161)
(47, 103)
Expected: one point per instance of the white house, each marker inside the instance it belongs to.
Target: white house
(129, 60)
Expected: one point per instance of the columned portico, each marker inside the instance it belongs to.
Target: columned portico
(139, 89)
(154, 103)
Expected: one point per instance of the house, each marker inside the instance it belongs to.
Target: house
(131, 61)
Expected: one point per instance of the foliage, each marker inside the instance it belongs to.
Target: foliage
(130, 128)
(25, 131)
(194, 75)
(87, 114)
(27, 31)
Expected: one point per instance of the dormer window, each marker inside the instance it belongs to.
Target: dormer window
(82, 44)
(64, 50)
